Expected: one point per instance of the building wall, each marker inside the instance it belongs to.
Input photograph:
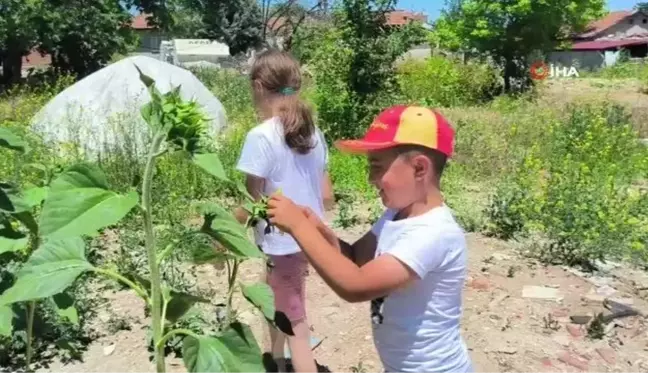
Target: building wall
(581, 60)
(149, 40)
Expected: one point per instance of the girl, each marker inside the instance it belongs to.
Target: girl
(286, 151)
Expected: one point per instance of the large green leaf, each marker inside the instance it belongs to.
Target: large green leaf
(203, 251)
(10, 140)
(211, 163)
(205, 354)
(64, 305)
(180, 304)
(229, 232)
(6, 321)
(239, 339)
(80, 203)
(5, 201)
(11, 245)
(51, 269)
(262, 297)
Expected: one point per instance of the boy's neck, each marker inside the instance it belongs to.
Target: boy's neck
(420, 207)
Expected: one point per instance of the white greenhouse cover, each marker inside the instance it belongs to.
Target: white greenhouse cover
(102, 111)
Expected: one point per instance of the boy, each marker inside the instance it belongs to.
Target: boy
(412, 263)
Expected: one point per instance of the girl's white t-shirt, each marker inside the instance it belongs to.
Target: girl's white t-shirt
(265, 154)
(417, 328)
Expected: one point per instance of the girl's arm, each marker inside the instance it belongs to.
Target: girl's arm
(327, 192)
(254, 186)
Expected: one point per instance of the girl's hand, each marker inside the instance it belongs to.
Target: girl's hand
(285, 214)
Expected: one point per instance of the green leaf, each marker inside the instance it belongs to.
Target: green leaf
(147, 80)
(11, 245)
(27, 218)
(229, 232)
(6, 321)
(64, 304)
(243, 190)
(211, 163)
(239, 339)
(205, 354)
(80, 203)
(203, 250)
(5, 201)
(180, 304)
(262, 297)
(10, 140)
(52, 268)
(34, 196)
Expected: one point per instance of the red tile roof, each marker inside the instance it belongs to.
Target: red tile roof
(403, 17)
(35, 59)
(605, 44)
(604, 23)
(139, 22)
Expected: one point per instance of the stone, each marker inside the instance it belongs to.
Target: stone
(546, 362)
(607, 354)
(480, 283)
(592, 297)
(562, 340)
(560, 312)
(540, 292)
(574, 330)
(580, 319)
(108, 350)
(626, 301)
(500, 256)
(573, 360)
(606, 291)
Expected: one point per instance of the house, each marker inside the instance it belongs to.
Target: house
(605, 39)
(403, 17)
(150, 37)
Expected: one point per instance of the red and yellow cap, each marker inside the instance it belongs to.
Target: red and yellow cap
(401, 125)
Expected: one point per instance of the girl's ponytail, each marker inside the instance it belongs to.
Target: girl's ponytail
(279, 75)
(297, 120)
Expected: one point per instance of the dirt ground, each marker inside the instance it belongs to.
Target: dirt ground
(505, 329)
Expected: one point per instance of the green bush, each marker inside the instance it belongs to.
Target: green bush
(439, 81)
(578, 189)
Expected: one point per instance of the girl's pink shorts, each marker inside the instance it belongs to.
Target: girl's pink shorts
(287, 278)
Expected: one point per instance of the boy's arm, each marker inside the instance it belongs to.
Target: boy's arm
(376, 278)
(362, 251)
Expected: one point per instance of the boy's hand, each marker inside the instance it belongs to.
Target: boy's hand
(285, 214)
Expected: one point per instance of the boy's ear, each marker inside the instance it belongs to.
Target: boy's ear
(422, 167)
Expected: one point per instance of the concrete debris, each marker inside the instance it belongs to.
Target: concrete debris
(541, 292)
(606, 290)
(108, 350)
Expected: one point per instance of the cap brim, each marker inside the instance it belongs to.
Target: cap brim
(362, 147)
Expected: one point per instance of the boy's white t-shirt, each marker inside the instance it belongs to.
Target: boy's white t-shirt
(265, 154)
(417, 329)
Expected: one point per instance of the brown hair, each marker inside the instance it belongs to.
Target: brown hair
(279, 74)
(437, 159)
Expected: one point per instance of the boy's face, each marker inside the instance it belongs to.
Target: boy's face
(397, 178)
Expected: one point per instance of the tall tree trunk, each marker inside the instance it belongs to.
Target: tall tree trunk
(509, 73)
(11, 66)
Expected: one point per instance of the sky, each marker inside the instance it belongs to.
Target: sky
(433, 7)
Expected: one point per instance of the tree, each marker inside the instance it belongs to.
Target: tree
(509, 31)
(19, 23)
(237, 23)
(83, 35)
